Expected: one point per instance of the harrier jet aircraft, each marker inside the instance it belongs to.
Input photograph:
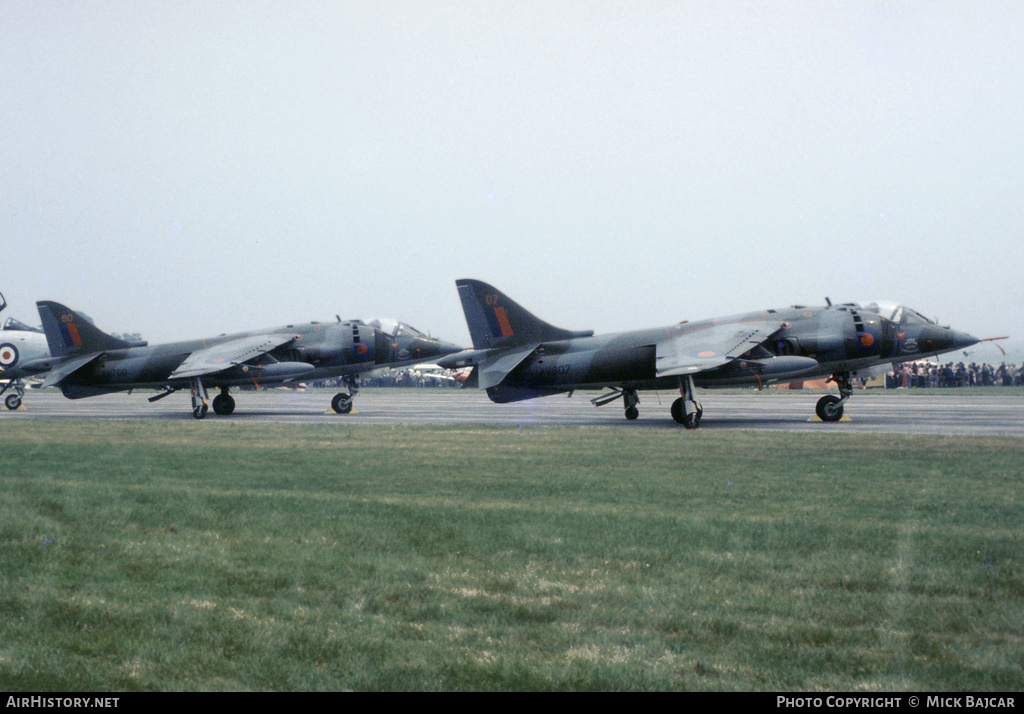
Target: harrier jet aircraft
(86, 361)
(518, 356)
(18, 343)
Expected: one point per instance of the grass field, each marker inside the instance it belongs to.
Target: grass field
(220, 556)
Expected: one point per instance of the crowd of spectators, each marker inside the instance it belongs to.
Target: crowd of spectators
(924, 374)
(400, 378)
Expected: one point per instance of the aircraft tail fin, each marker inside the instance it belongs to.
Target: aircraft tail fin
(495, 320)
(71, 333)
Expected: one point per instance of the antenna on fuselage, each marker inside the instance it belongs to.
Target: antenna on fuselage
(828, 302)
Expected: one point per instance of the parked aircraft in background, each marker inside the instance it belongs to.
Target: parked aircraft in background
(18, 343)
(518, 356)
(86, 361)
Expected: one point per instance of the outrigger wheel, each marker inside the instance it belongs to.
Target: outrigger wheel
(630, 399)
(199, 396)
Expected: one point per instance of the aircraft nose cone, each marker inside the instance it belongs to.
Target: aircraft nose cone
(960, 340)
(434, 348)
(447, 348)
(941, 339)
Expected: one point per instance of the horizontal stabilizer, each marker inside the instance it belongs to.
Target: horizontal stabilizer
(491, 371)
(61, 372)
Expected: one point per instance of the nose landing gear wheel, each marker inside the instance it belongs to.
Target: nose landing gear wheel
(342, 403)
(12, 401)
(828, 408)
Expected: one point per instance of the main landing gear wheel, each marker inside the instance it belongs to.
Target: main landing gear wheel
(691, 421)
(632, 413)
(687, 410)
(223, 404)
(342, 403)
(829, 408)
(12, 401)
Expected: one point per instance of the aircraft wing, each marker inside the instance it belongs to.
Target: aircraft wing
(704, 348)
(224, 355)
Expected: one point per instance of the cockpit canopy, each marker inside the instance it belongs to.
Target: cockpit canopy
(898, 313)
(13, 324)
(390, 326)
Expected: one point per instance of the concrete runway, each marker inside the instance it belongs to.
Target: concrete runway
(882, 412)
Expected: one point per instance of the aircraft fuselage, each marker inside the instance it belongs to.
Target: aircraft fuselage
(813, 342)
(312, 351)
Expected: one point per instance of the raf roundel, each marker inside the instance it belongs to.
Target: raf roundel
(8, 355)
(866, 340)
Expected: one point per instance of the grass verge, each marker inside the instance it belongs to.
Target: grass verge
(201, 556)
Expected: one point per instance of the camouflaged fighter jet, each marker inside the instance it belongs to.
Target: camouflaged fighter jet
(518, 356)
(18, 343)
(86, 361)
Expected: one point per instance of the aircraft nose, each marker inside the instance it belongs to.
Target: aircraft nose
(446, 348)
(434, 348)
(942, 339)
(960, 340)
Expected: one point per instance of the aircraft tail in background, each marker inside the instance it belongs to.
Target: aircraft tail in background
(496, 320)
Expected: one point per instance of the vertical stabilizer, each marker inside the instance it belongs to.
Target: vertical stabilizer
(495, 320)
(69, 333)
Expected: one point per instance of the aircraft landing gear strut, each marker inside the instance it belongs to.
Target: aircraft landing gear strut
(629, 398)
(342, 402)
(199, 397)
(830, 407)
(223, 403)
(687, 410)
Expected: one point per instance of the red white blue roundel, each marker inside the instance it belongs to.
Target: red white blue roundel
(867, 341)
(8, 355)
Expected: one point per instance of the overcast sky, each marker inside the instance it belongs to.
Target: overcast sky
(182, 169)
